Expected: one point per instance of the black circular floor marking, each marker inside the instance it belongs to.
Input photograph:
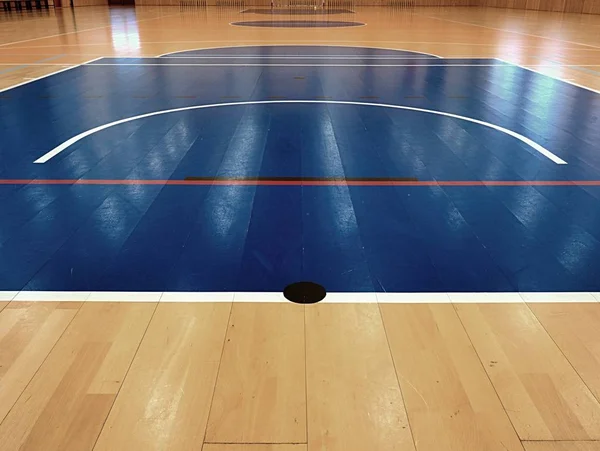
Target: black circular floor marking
(297, 23)
(304, 292)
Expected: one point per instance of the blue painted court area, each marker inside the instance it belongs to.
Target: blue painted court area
(249, 168)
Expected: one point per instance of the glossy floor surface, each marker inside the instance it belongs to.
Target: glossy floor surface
(360, 169)
(436, 170)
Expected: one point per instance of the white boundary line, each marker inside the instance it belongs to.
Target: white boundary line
(297, 45)
(550, 76)
(509, 31)
(307, 42)
(274, 297)
(53, 36)
(31, 80)
(542, 150)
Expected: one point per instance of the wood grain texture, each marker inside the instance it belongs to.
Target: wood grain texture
(164, 402)
(591, 7)
(575, 328)
(80, 34)
(570, 6)
(542, 393)
(76, 3)
(562, 446)
(28, 331)
(68, 399)
(354, 400)
(285, 3)
(260, 394)
(450, 401)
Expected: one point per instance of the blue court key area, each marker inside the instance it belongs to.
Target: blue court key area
(300, 141)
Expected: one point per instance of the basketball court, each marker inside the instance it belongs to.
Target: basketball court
(167, 172)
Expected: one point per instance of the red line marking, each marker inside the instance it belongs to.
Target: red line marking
(237, 182)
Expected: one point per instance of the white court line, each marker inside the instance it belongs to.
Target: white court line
(487, 298)
(296, 45)
(8, 295)
(53, 36)
(284, 42)
(77, 31)
(331, 298)
(542, 150)
(560, 297)
(565, 80)
(304, 43)
(125, 296)
(510, 31)
(52, 296)
(31, 80)
(413, 298)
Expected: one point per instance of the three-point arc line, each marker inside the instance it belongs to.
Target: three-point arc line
(542, 150)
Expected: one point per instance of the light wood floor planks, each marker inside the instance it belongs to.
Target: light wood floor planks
(28, 331)
(444, 384)
(65, 405)
(260, 395)
(574, 328)
(354, 400)
(562, 446)
(518, 36)
(543, 395)
(165, 401)
(281, 377)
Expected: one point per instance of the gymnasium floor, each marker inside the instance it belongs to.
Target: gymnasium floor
(164, 175)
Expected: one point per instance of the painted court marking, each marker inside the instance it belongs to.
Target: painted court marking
(259, 44)
(31, 80)
(564, 80)
(510, 31)
(79, 31)
(542, 150)
(554, 66)
(276, 297)
(298, 182)
(296, 65)
(299, 57)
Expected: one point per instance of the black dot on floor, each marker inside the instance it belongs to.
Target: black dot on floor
(304, 292)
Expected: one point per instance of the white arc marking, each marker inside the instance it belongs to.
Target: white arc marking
(542, 150)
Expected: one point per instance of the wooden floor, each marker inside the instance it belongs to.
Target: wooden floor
(562, 45)
(466, 375)
(251, 376)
